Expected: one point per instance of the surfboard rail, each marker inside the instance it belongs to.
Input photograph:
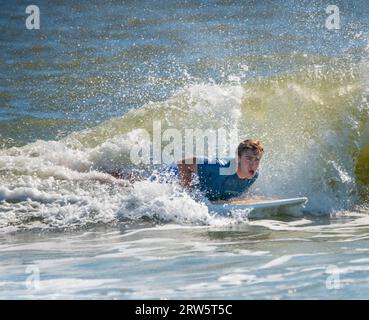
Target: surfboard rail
(257, 204)
(263, 202)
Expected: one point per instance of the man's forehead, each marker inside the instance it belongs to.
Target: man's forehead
(252, 153)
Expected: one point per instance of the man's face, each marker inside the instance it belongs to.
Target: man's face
(248, 163)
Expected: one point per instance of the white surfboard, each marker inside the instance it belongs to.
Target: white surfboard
(258, 207)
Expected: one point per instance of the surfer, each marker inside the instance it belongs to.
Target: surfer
(219, 179)
(213, 178)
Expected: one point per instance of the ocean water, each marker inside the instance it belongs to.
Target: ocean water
(77, 95)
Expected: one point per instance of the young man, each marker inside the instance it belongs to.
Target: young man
(216, 180)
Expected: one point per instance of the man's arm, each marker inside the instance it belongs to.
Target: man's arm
(125, 175)
(186, 168)
(104, 177)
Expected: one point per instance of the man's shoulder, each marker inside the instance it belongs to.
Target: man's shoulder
(216, 167)
(225, 161)
(222, 162)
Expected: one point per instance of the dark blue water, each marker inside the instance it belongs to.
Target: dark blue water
(95, 60)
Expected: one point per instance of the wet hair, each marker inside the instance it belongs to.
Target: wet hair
(250, 144)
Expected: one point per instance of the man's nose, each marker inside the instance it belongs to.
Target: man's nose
(255, 163)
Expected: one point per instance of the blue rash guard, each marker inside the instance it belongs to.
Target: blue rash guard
(211, 181)
(217, 186)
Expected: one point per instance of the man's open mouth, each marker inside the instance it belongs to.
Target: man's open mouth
(251, 172)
